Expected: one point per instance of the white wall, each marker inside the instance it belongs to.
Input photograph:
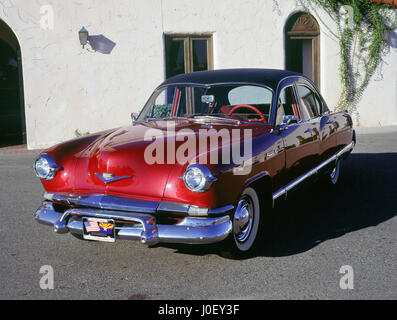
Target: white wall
(68, 87)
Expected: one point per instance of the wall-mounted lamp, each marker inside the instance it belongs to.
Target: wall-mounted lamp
(83, 36)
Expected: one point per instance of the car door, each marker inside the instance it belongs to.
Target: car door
(311, 110)
(325, 124)
(298, 137)
(328, 131)
(310, 114)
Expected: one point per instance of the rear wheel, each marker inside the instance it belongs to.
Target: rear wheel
(331, 177)
(334, 175)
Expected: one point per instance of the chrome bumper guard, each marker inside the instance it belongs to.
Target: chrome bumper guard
(191, 230)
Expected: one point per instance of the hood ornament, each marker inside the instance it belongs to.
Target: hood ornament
(109, 177)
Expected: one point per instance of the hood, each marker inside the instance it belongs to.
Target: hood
(140, 157)
(120, 156)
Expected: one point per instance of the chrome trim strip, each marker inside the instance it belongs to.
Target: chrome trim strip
(116, 215)
(173, 207)
(104, 201)
(195, 235)
(294, 183)
(190, 230)
(191, 210)
(199, 222)
(221, 209)
(108, 202)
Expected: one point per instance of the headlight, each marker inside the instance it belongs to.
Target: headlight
(198, 178)
(45, 167)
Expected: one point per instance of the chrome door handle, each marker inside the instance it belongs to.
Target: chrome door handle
(308, 130)
(330, 121)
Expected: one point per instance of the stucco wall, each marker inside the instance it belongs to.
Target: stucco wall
(68, 87)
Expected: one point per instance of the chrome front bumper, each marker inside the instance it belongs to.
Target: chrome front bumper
(191, 230)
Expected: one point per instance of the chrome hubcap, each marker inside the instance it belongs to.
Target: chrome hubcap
(243, 219)
(335, 173)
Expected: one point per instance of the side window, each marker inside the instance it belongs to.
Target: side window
(286, 105)
(311, 106)
(163, 102)
(162, 106)
(249, 95)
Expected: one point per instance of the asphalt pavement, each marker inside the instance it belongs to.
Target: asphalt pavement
(320, 236)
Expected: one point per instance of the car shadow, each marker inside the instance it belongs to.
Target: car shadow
(365, 196)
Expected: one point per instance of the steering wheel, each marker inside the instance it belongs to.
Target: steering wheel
(249, 107)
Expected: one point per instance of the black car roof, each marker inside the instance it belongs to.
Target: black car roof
(269, 77)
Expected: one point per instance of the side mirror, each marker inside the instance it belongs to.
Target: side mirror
(134, 117)
(287, 120)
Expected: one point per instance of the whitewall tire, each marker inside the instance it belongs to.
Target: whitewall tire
(334, 174)
(246, 220)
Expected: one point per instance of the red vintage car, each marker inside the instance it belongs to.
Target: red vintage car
(205, 161)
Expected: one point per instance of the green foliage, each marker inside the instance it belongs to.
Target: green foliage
(361, 45)
(162, 111)
(78, 134)
(361, 42)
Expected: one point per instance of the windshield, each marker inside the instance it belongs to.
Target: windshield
(235, 101)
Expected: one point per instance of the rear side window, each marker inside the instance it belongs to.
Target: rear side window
(250, 95)
(286, 105)
(311, 106)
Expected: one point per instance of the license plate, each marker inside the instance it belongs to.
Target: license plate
(99, 229)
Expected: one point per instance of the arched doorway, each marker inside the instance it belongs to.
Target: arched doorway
(302, 45)
(12, 111)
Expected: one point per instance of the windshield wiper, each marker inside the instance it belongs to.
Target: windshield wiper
(206, 116)
(160, 119)
(218, 118)
(176, 118)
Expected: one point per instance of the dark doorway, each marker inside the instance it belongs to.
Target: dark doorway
(12, 113)
(302, 46)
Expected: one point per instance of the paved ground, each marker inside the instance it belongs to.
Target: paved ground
(316, 233)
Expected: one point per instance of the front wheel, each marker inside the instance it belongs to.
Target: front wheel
(246, 224)
(246, 220)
